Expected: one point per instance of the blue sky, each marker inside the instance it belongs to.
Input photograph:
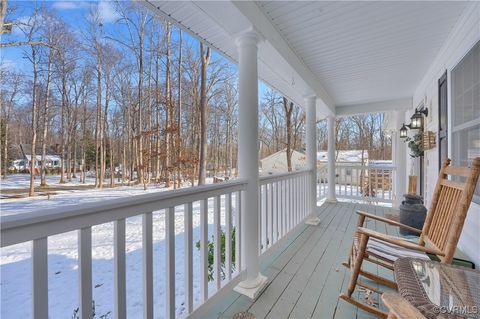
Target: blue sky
(73, 13)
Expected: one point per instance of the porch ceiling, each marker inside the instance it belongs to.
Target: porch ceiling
(365, 51)
(350, 54)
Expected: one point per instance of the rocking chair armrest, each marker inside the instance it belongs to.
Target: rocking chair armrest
(400, 307)
(389, 221)
(399, 241)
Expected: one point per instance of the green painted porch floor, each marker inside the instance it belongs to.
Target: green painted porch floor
(305, 275)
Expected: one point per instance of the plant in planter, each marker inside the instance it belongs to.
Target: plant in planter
(412, 210)
(415, 144)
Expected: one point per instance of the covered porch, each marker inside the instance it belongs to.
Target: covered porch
(288, 250)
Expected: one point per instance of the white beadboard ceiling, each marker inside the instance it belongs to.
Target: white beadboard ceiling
(365, 51)
(353, 55)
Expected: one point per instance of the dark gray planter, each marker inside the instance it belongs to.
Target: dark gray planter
(412, 213)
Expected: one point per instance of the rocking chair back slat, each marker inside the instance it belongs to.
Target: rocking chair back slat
(449, 207)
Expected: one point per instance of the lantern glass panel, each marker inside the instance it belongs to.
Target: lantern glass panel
(416, 122)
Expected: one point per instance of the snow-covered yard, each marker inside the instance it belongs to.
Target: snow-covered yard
(15, 261)
(23, 181)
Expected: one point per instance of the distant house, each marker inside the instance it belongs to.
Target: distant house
(22, 162)
(350, 159)
(276, 163)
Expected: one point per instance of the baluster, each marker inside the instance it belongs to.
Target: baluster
(228, 236)
(188, 224)
(120, 272)
(170, 262)
(298, 193)
(290, 206)
(40, 278)
(351, 181)
(265, 214)
(283, 206)
(307, 194)
(324, 184)
(147, 245)
(292, 194)
(260, 225)
(369, 174)
(383, 183)
(85, 271)
(275, 209)
(389, 183)
(297, 201)
(238, 233)
(338, 182)
(270, 214)
(302, 197)
(204, 249)
(217, 263)
(376, 183)
(293, 182)
(301, 194)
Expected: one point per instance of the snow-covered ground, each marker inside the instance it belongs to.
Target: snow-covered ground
(16, 271)
(23, 181)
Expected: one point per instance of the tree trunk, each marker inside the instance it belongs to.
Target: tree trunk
(168, 102)
(288, 115)
(203, 115)
(33, 157)
(45, 118)
(179, 111)
(98, 123)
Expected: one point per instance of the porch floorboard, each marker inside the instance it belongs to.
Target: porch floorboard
(305, 274)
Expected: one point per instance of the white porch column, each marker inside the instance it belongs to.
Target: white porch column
(254, 282)
(399, 151)
(331, 159)
(311, 127)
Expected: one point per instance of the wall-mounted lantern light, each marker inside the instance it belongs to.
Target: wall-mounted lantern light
(403, 131)
(416, 122)
(417, 118)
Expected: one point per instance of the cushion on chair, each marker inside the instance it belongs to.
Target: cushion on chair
(392, 252)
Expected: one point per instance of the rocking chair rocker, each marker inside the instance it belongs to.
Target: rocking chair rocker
(439, 236)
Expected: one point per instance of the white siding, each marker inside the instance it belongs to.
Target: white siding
(463, 37)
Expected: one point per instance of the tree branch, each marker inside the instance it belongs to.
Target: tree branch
(23, 43)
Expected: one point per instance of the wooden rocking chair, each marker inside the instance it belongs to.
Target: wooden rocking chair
(439, 236)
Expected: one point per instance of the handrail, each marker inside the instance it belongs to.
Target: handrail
(23, 227)
(277, 177)
(384, 167)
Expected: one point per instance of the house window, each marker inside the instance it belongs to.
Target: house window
(466, 111)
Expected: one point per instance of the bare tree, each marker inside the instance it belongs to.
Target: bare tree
(203, 114)
(288, 107)
(179, 111)
(31, 30)
(52, 36)
(11, 85)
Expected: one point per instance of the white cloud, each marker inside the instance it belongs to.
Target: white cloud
(8, 65)
(107, 12)
(69, 5)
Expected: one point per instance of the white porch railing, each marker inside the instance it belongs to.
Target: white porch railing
(283, 205)
(367, 183)
(38, 226)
